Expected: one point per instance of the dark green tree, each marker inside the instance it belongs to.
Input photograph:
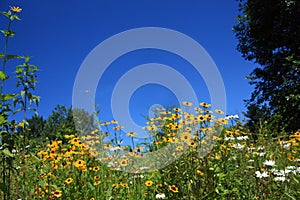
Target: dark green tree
(268, 33)
(36, 126)
(59, 123)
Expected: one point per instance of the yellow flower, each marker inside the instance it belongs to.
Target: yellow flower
(219, 111)
(79, 163)
(96, 177)
(96, 168)
(57, 193)
(148, 183)
(54, 166)
(107, 146)
(131, 134)
(152, 128)
(105, 124)
(180, 148)
(218, 156)
(188, 104)
(69, 136)
(115, 185)
(139, 149)
(159, 185)
(201, 118)
(117, 128)
(199, 172)
(291, 158)
(185, 136)
(97, 183)
(192, 144)
(114, 121)
(15, 9)
(205, 105)
(123, 162)
(68, 181)
(177, 109)
(173, 188)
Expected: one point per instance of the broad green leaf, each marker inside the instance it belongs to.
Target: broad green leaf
(8, 96)
(7, 153)
(13, 17)
(7, 14)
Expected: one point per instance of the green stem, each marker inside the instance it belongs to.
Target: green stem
(4, 57)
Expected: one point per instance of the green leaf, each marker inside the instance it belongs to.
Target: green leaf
(8, 33)
(2, 120)
(8, 57)
(7, 153)
(3, 75)
(8, 96)
(23, 94)
(7, 14)
(27, 58)
(13, 17)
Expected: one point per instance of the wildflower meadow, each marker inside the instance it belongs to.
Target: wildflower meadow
(205, 154)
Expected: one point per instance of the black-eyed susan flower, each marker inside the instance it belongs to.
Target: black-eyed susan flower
(199, 172)
(188, 104)
(158, 185)
(116, 128)
(220, 112)
(68, 181)
(97, 183)
(291, 158)
(139, 149)
(96, 168)
(57, 193)
(152, 128)
(180, 148)
(177, 109)
(79, 163)
(123, 162)
(105, 124)
(173, 188)
(114, 121)
(131, 134)
(201, 118)
(148, 183)
(192, 143)
(205, 105)
(115, 185)
(54, 166)
(185, 137)
(96, 177)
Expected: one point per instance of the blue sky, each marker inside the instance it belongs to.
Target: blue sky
(60, 34)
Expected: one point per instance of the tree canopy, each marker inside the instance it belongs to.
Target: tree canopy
(268, 33)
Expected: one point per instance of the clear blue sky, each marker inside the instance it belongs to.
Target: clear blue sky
(60, 34)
